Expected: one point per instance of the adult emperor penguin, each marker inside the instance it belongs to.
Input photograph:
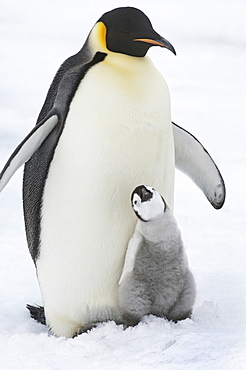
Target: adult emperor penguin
(105, 126)
(156, 278)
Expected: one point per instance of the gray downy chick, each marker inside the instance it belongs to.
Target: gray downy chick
(156, 278)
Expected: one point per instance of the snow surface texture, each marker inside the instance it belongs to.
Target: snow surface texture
(207, 83)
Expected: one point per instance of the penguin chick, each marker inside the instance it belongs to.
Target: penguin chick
(156, 278)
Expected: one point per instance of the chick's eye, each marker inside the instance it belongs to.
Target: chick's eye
(135, 201)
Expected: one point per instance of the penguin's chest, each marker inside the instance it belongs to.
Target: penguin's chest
(118, 128)
(117, 135)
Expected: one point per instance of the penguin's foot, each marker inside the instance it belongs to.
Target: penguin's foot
(127, 325)
(87, 327)
(37, 313)
(179, 317)
(130, 320)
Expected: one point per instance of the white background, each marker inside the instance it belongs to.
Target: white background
(207, 82)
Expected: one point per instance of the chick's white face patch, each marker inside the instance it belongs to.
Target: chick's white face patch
(150, 208)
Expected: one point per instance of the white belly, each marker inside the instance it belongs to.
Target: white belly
(117, 136)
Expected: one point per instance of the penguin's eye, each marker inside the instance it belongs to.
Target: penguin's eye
(124, 34)
(135, 201)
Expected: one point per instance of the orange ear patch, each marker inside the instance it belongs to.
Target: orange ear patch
(102, 30)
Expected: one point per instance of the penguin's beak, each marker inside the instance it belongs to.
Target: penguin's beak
(160, 41)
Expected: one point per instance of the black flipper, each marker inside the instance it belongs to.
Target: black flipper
(26, 148)
(193, 159)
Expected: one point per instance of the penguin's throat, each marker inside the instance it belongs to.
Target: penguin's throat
(126, 63)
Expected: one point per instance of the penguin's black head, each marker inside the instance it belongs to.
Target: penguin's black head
(145, 194)
(129, 31)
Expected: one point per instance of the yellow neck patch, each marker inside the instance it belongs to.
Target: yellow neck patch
(101, 34)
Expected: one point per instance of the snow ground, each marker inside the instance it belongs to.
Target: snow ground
(207, 83)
